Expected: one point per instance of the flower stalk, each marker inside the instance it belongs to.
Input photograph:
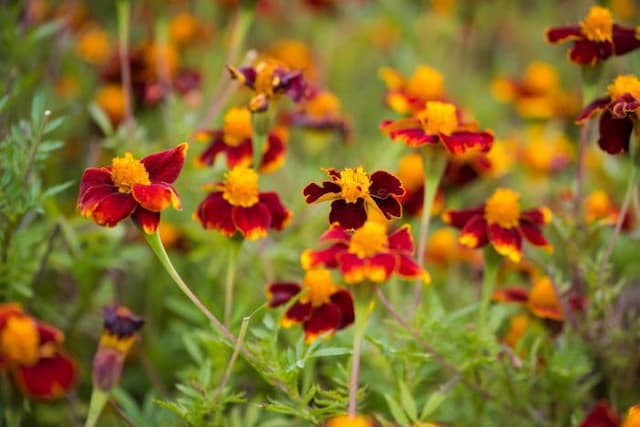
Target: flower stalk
(229, 284)
(124, 12)
(98, 401)
(491, 263)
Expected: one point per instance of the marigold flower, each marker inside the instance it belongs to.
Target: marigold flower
(541, 300)
(443, 249)
(500, 222)
(545, 152)
(602, 415)
(119, 335)
(32, 351)
(596, 38)
(353, 191)
(185, 29)
(369, 253)
(322, 307)
(269, 78)
(235, 141)
(349, 421)
(111, 99)
(619, 113)
(320, 112)
(139, 189)
(93, 45)
(237, 205)
(599, 207)
(633, 417)
(438, 123)
(409, 95)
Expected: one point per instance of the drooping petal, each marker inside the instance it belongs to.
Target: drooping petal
(156, 197)
(322, 257)
(412, 137)
(280, 293)
(50, 378)
(325, 318)
(513, 294)
(383, 184)
(460, 142)
(533, 234)
(561, 34)
(594, 107)
(113, 209)
(401, 240)
(92, 196)
(538, 216)
(390, 207)
(274, 152)
(240, 155)
(506, 241)
(217, 146)
(215, 212)
(344, 301)
(253, 222)
(348, 215)
(315, 193)
(409, 269)
(165, 166)
(146, 219)
(460, 218)
(298, 313)
(474, 234)
(614, 133)
(280, 216)
(587, 52)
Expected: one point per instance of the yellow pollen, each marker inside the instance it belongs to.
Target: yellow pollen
(541, 77)
(19, 341)
(354, 183)
(324, 104)
(241, 187)
(127, 171)
(264, 77)
(426, 83)
(438, 117)
(368, 240)
(598, 25)
(319, 287)
(626, 83)
(237, 126)
(503, 208)
(411, 171)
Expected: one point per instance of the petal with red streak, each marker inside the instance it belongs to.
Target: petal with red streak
(460, 142)
(215, 212)
(561, 34)
(113, 209)
(614, 133)
(280, 293)
(353, 269)
(594, 107)
(165, 166)
(335, 233)
(274, 152)
(253, 222)
(146, 219)
(92, 196)
(50, 378)
(217, 146)
(414, 137)
(460, 218)
(390, 207)
(92, 177)
(533, 234)
(474, 233)
(156, 197)
(506, 241)
(538, 216)
(324, 257)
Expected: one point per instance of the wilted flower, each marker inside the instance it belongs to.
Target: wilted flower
(596, 38)
(368, 253)
(235, 141)
(438, 123)
(500, 222)
(237, 205)
(409, 95)
(322, 306)
(32, 351)
(619, 113)
(120, 333)
(353, 192)
(269, 78)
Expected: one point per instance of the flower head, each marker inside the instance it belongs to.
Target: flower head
(369, 253)
(119, 335)
(32, 351)
(545, 152)
(269, 78)
(322, 306)
(596, 38)
(500, 221)
(409, 95)
(602, 415)
(139, 189)
(438, 123)
(354, 191)
(238, 205)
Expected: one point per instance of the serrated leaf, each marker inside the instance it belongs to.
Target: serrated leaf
(396, 411)
(408, 403)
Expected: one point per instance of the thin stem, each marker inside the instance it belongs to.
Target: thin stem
(631, 187)
(96, 405)
(363, 308)
(124, 11)
(582, 149)
(491, 262)
(234, 355)
(230, 281)
(156, 245)
(434, 161)
(352, 409)
(34, 147)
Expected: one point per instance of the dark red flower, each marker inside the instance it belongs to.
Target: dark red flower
(601, 415)
(140, 189)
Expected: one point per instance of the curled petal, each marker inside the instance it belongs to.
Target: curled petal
(93, 177)
(274, 152)
(624, 39)
(146, 219)
(413, 137)
(390, 207)
(156, 197)
(92, 196)
(165, 166)
(506, 241)
(624, 105)
(280, 293)
(253, 222)
(595, 107)
(348, 215)
(614, 133)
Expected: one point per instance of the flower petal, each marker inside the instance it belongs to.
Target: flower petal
(165, 166)
(280, 293)
(460, 218)
(314, 193)
(401, 240)
(325, 318)
(506, 241)
(513, 294)
(275, 150)
(280, 216)
(48, 379)
(587, 52)
(92, 196)
(298, 313)
(113, 209)
(474, 234)
(240, 155)
(381, 266)
(594, 107)
(383, 184)
(614, 133)
(146, 219)
(348, 215)
(215, 212)
(460, 142)
(390, 207)
(253, 222)
(601, 415)
(624, 39)
(323, 257)
(335, 233)
(534, 235)
(409, 269)
(408, 131)
(538, 216)
(561, 34)
(93, 177)
(344, 301)
(217, 146)
(156, 197)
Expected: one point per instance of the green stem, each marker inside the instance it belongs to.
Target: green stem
(99, 399)
(230, 281)
(234, 355)
(124, 12)
(156, 245)
(434, 160)
(260, 122)
(491, 263)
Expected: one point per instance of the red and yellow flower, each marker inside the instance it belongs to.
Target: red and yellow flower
(237, 205)
(618, 113)
(500, 222)
(600, 208)
(354, 191)
(320, 112)
(235, 141)
(322, 306)
(596, 38)
(545, 151)
(119, 335)
(370, 253)
(439, 123)
(409, 95)
(444, 250)
(603, 415)
(32, 351)
(542, 300)
(268, 79)
(139, 189)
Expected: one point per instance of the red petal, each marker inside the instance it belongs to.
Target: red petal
(344, 301)
(601, 415)
(460, 218)
(348, 215)
(614, 133)
(50, 378)
(49, 334)
(414, 137)
(280, 293)
(587, 52)
(561, 34)
(324, 318)
(474, 233)
(335, 233)
(215, 212)
(253, 222)
(401, 240)
(241, 155)
(146, 220)
(92, 196)
(383, 184)
(165, 166)
(280, 216)
(390, 207)
(298, 313)
(381, 266)
(113, 209)
(217, 146)
(314, 193)
(92, 177)
(325, 257)
(460, 142)
(533, 234)
(506, 241)
(156, 197)
(539, 216)
(595, 107)
(274, 152)
(409, 269)
(624, 39)
(514, 294)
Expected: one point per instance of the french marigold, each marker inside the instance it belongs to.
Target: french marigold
(541, 300)
(600, 208)
(234, 139)
(602, 415)
(322, 306)
(443, 249)
(545, 151)
(438, 123)
(500, 222)
(237, 205)
(139, 189)
(32, 351)
(354, 191)
(407, 95)
(93, 45)
(370, 253)
(596, 38)
(633, 417)
(618, 113)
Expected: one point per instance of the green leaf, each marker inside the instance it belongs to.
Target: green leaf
(53, 124)
(101, 119)
(408, 403)
(432, 404)
(331, 351)
(396, 411)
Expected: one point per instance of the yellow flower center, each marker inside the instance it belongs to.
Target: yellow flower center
(503, 208)
(411, 171)
(426, 83)
(598, 25)
(541, 77)
(127, 171)
(354, 183)
(598, 206)
(318, 286)
(368, 240)
(241, 187)
(322, 105)
(237, 126)
(19, 341)
(624, 84)
(265, 79)
(438, 117)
